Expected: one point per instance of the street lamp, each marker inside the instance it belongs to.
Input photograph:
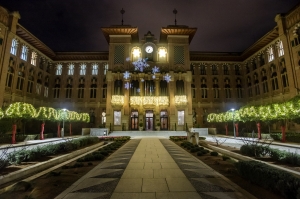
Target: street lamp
(63, 117)
(233, 121)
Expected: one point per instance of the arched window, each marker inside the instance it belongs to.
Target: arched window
(136, 53)
(180, 87)
(14, 46)
(56, 88)
(9, 77)
(71, 69)
(162, 54)
(253, 62)
(38, 89)
(30, 84)
(20, 81)
(249, 86)
(216, 88)
(193, 90)
(274, 79)
(69, 88)
(270, 54)
(163, 84)
(225, 69)
(203, 88)
(265, 81)
(214, 69)
(81, 88)
(285, 81)
(58, 69)
(118, 87)
(239, 88)
(95, 67)
(227, 88)
(82, 69)
(46, 89)
(202, 69)
(280, 48)
(256, 84)
(261, 59)
(247, 68)
(24, 52)
(33, 58)
(104, 91)
(93, 89)
(237, 70)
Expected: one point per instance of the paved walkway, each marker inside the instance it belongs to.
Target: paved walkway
(153, 168)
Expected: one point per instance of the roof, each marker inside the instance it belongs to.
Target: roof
(177, 30)
(121, 30)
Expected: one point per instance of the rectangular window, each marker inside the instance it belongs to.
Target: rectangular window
(117, 117)
(14, 46)
(46, 92)
(180, 117)
(82, 69)
(95, 69)
(280, 49)
(71, 69)
(270, 54)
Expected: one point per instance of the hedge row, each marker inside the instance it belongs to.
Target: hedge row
(17, 157)
(290, 137)
(275, 154)
(275, 180)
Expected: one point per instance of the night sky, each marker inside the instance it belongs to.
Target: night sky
(75, 25)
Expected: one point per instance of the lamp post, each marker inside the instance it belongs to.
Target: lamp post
(233, 121)
(64, 115)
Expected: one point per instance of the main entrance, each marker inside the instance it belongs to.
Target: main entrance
(164, 120)
(149, 120)
(134, 120)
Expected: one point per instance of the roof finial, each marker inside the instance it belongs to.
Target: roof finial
(175, 12)
(122, 12)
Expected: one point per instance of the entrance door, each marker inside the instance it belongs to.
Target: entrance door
(149, 120)
(134, 120)
(164, 120)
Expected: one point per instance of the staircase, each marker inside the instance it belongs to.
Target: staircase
(140, 134)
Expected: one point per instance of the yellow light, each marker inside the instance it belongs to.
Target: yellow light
(180, 100)
(162, 52)
(149, 100)
(117, 100)
(136, 52)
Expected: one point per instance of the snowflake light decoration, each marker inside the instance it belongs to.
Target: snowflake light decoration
(127, 85)
(128, 59)
(138, 90)
(153, 76)
(126, 75)
(140, 64)
(155, 69)
(167, 77)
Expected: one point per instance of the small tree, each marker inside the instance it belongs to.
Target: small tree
(16, 112)
(44, 114)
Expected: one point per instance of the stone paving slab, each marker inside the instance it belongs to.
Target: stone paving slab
(153, 169)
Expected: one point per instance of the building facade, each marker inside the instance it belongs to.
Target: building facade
(186, 87)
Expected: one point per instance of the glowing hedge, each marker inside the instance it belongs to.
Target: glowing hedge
(20, 110)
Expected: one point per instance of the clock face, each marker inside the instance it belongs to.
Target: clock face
(149, 49)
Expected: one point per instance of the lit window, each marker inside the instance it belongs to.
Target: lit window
(162, 54)
(24, 53)
(33, 58)
(270, 54)
(136, 54)
(95, 69)
(14, 46)
(105, 69)
(71, 69)
(117, 117)
(82, 69)
(180, 117)
(280, 48)
(58, 69)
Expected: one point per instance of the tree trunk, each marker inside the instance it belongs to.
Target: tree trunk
(70, 129)
(226, 128)
(236, 129)
(42, 131)
(58, 130)
(14, 131)
(283, 133)
(258, 130)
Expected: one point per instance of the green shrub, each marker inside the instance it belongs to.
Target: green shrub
(275, 180)
(76, 165)
(202, 138)
(193, 150)
(277, 155)
(99, 157)
(255, 150)
(200, 153)
(105, 153)
(205, 151)
(213, 153)
(225, 158)
(90, 164)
